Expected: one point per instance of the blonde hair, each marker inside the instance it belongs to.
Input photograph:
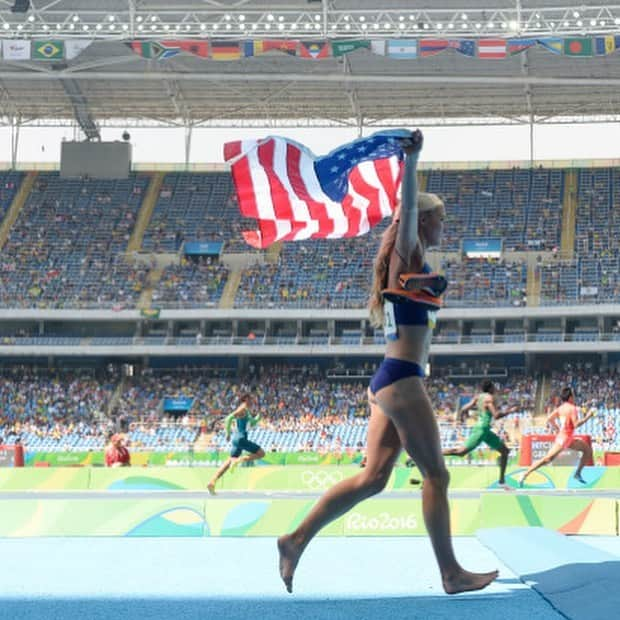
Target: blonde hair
(426, 202)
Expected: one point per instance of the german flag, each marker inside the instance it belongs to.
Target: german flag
(225, 50)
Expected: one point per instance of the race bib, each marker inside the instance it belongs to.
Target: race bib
(390, 328)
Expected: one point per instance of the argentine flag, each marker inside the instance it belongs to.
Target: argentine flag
(402, 48)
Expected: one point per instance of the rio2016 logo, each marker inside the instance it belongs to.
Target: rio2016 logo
(383, 522)
(320, 480)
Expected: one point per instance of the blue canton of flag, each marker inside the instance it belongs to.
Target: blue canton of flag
(467, 47)
(332, 170)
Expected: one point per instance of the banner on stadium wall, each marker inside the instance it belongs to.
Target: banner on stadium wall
(588, 291)
(177, 403)
(203, 248)
(534, 447)
(482, 248)
(150, 313)
(45, 49)
(400, 49)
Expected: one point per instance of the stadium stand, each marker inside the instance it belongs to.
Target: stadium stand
(65, 249)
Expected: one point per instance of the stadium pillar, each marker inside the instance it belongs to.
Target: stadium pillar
(604, 361)
(15, 123)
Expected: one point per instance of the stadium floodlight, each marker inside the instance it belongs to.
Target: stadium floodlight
(575, 14)
(439, 26)
(31, 18)
(464, 16)
(111, 18)
(76, 18)
(241, 18)
(6, 26)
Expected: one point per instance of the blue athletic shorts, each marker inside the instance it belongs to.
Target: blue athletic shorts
(241, 443)
(393, 369)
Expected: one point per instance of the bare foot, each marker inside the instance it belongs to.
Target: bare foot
(289, 556)
(467, 582)
(211, 488)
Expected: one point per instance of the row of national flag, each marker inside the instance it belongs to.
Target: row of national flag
(485, 48)
(51, 49)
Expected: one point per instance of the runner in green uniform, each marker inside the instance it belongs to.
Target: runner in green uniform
(241, 416)
(484, 405)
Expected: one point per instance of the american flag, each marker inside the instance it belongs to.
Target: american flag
(295, 195)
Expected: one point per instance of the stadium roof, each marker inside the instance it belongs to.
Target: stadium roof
(109, 81)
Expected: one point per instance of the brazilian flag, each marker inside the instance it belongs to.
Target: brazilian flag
(48, 50)
(150, 313)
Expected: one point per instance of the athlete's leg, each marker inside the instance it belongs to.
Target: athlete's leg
(473, 441)
(253, 456)
(586, 455)
(383, 448)
(503, 462)
(218, 474)
(495, 443)
(545, 460)
(407, 404)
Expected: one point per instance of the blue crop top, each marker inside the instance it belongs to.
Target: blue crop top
(415, 302)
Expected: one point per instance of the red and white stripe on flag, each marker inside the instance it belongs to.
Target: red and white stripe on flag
(492, 48)
(276, 184)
